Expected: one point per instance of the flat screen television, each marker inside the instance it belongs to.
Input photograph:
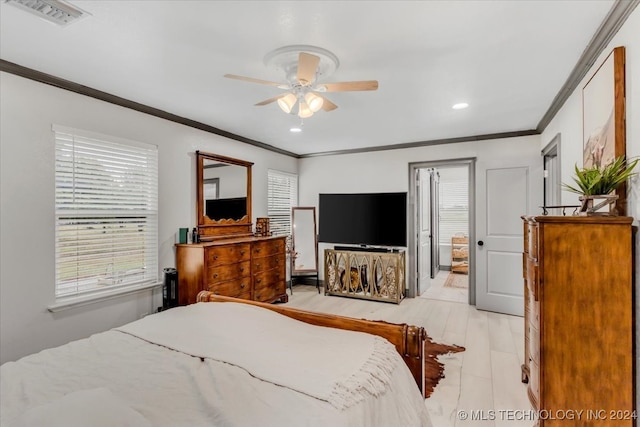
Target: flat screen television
(232, 208)
(376, 219)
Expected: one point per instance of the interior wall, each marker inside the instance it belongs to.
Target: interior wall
(27, 269)
(388, 171)
(568, 122)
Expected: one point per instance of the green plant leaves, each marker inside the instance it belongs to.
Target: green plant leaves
(595, 181)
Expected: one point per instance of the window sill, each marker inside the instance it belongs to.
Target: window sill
(71, 302)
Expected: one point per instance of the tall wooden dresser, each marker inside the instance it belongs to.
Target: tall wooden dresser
(579, 319)
(242, 267)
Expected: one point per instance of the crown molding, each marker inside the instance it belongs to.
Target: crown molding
(45, 78)
(616, 17)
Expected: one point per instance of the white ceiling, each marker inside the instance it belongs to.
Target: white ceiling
(507, 59)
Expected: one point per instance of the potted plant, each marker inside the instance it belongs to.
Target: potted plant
(599, 182)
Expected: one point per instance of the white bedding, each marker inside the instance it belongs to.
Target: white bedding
(171, 388)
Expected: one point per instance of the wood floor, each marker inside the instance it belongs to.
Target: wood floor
(485, 378)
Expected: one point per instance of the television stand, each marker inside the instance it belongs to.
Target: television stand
(365, 273)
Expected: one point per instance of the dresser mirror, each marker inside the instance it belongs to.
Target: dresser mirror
(223, 196)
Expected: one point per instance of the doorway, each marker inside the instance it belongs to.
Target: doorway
(441, 198)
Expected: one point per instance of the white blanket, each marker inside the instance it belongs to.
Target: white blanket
(340, 367)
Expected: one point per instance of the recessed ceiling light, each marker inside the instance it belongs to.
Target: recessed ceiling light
(460, 106)
(295, 129)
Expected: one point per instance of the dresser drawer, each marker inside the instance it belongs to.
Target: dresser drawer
(534, 384)
(269, 293)
(222, 273)
(227, 254)
(532, 240)
(534, 344)
(534, 312)
(268, 248)
(239, 288)
(269, 278)
(267, 263)
(532, 278)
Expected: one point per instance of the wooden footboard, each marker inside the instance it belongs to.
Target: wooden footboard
(409, 340)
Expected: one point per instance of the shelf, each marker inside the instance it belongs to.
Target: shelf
(460, 255)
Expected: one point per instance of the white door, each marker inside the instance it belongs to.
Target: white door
(506, 190)
(423, 222)
(435, 222)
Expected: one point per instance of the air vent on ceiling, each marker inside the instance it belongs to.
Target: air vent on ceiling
(56, 11)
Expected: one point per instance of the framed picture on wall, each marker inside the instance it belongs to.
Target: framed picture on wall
(603, 117)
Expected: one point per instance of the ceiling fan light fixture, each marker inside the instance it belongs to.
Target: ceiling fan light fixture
(304, 111)
(287, 102)
(313, 101)
(460, 106)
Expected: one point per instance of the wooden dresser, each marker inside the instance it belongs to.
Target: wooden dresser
(250, 268)
(579, 319)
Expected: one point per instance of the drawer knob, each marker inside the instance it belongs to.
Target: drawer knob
(480, 243)
(242, 252)
(215, 257)
(258, 280)
(258, 265)
(242, 285)
(258, 250)
(241, 268)
(215, 276)
(216, 293)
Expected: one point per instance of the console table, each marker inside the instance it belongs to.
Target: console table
(378, 276)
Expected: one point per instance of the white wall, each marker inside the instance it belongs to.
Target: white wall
(383, 171)
(568, 122)
(28, 109)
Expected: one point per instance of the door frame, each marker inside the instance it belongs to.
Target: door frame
(412, 213)
(552, 149)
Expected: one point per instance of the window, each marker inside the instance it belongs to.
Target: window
(454, 203)
(106, 211)
(282, 195)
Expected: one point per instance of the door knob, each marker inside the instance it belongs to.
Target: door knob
(480, 243)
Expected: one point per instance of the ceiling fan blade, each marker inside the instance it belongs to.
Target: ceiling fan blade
(349, 86)
(327, 105)
(252, 80)
(270, 100)
(307, 66)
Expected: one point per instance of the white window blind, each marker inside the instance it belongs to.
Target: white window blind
(454, 208)
(106, 214)
(282, 196)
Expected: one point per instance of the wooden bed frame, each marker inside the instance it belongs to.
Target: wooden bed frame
(410, 341)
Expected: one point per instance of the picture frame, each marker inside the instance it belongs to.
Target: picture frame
(603, 117)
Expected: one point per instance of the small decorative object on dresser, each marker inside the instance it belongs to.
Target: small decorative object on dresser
(579, 322)
(262, 227)
(598, 182)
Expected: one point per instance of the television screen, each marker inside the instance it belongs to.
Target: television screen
(377, 219)
(232, 208)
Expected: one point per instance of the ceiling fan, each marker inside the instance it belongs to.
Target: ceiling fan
(304, 66)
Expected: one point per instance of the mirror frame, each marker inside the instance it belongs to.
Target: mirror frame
(209, 229)
(294, 271)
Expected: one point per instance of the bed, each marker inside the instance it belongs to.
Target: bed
(225, 362)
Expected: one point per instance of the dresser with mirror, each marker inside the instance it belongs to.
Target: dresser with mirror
(229, 260)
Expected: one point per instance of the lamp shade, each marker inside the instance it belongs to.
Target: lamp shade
(303, 110)
(313, 101)
(287, 102)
